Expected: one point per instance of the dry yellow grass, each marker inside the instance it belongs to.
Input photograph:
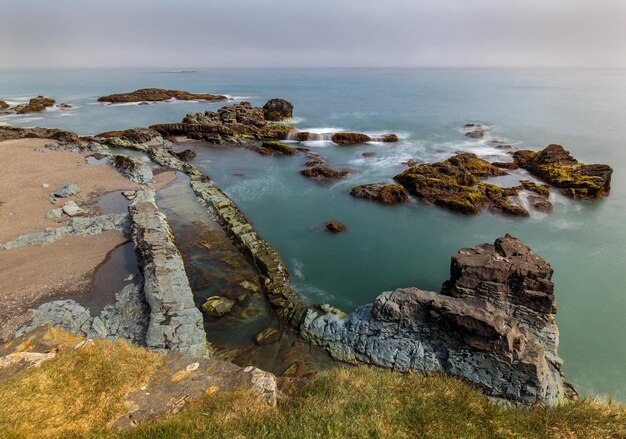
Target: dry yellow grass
(75, 391)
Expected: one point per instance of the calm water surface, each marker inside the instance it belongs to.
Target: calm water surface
(411, 245)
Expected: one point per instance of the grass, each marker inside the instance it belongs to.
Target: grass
(79, 393)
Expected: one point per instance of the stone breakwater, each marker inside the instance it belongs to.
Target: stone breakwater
(175, 322)
(493, 325)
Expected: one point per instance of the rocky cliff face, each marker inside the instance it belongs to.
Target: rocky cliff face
(492, 326)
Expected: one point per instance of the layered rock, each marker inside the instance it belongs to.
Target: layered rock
(131, 168)
(335, 227)
(63, 137)
(456, 184)
(175, 322)
(493, 325)
(159, 94)
(556, 166)
(134, 135)
(323, 172)
(381, 192)
(238, 123)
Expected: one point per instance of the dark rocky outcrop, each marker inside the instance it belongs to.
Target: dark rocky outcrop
(381, 192)
(335, 227)
(556, 166)
(277, 109)
(474, 130)
(274, 147)
(267, 336)
(493, 325)
(324, 172)
(505, 165)
(456, 184)
(34, 105)
(358, 138)
(159, 94)
(63, 137)
(238, 124)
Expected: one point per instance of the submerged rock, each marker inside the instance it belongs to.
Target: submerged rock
(277, 109)
(381, 192)
(324, 172)
(3, 105)
(218, 306)
(71, 209)
(493, 325)
(556, 166)
(62, 137)
(67, 191)
(335, 227)
(134, 135)
(267, 336)
(350, 138)
(159, 94)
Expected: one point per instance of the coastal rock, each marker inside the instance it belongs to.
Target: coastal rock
(217, 306)
(267, 336)
(131, 168)
(493, 325)
(278, 148)
(350, 138)
(381, 192)
(475, 131)
(71, 209)
(186, 155)
(62, 137)
(505, 165)
(540, 203)
(134, 135)
(277, 109)
(175, 322)
(67, 191)
(456, 184)
(335, 227)
(324, 172)
(159, 94)
(368, 154)
(35, 105)
(555, 165)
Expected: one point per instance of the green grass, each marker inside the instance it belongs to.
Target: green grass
(80, 392)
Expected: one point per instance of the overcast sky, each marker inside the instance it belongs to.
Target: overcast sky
(312, 33)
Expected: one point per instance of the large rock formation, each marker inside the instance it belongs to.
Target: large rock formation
(63, 137)
(34, 105)
(493, 325)
(277, 109)
(159, 94)
(456, 184)
(381, 192)
(175, 322)
(555, 165)
(238, 123)
(135, 135)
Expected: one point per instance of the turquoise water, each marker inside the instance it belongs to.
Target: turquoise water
(411, 245)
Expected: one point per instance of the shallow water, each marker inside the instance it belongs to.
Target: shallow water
(388, 247)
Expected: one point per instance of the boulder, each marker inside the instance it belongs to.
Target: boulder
(492, 325)
(217, 306)
(381, 192)
(37, 104)
(540, 203)
(134, 135)
(67, 191)
(267, 336)
(159, 94)
(277, 109)
(186, 155)
(71, 209)
(538, 188)
(505, 165)
(555, 165)
(350, 138)
(279, 148)
(335, 227)
(3, 105)
(324, 172)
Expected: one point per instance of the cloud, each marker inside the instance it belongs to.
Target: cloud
(295, 33)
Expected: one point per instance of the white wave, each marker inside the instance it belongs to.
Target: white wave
(238, 98)
(318, 143)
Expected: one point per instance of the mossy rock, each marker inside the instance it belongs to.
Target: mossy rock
(279, 147)
(3, 105)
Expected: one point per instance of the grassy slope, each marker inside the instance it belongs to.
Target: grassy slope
(82, 391)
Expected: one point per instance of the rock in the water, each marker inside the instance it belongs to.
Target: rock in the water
(335, 227)
(71, 209)
(456, 184)
(159, 94)
(368, 154)
(35, 105)
(505, 165)
(67, 191)
(381, 192)
(131, 168)
(541, 204)
(324, 172)
(277, 109)
(63, 137)
(186, 155)
(475, 131)
(493, 325)
(267, 336)
(350, 138)
(278, 148)
(217, 306)
(556, 166)
(134, 135)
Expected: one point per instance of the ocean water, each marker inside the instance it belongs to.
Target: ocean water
(410, 245)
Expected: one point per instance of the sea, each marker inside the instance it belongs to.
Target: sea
(387, 247)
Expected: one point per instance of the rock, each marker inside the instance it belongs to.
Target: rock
(492, 325)
(45, 185)
(62, 137)
(37, 104)
(381, 192)
(412, 162)
(556, 166)
(505, 165)
(55, 213)
(129, 195)
(133, 135)
(217, 306)
(279, 148)
(186, 155)
(65, 106)
(267, 336)
(455, 184)
(500, 144)
(475, 132)
(350, 138)
(71, 209)
(67, 191)
(541, 204)
(368, 154)
(335, 227)
(277, 109)
(175, 322)
(159, 94)
(324, 172)
(243, 299)
(131, 168)
(539, 189)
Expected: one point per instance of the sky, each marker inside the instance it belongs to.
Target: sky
(312, 33)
